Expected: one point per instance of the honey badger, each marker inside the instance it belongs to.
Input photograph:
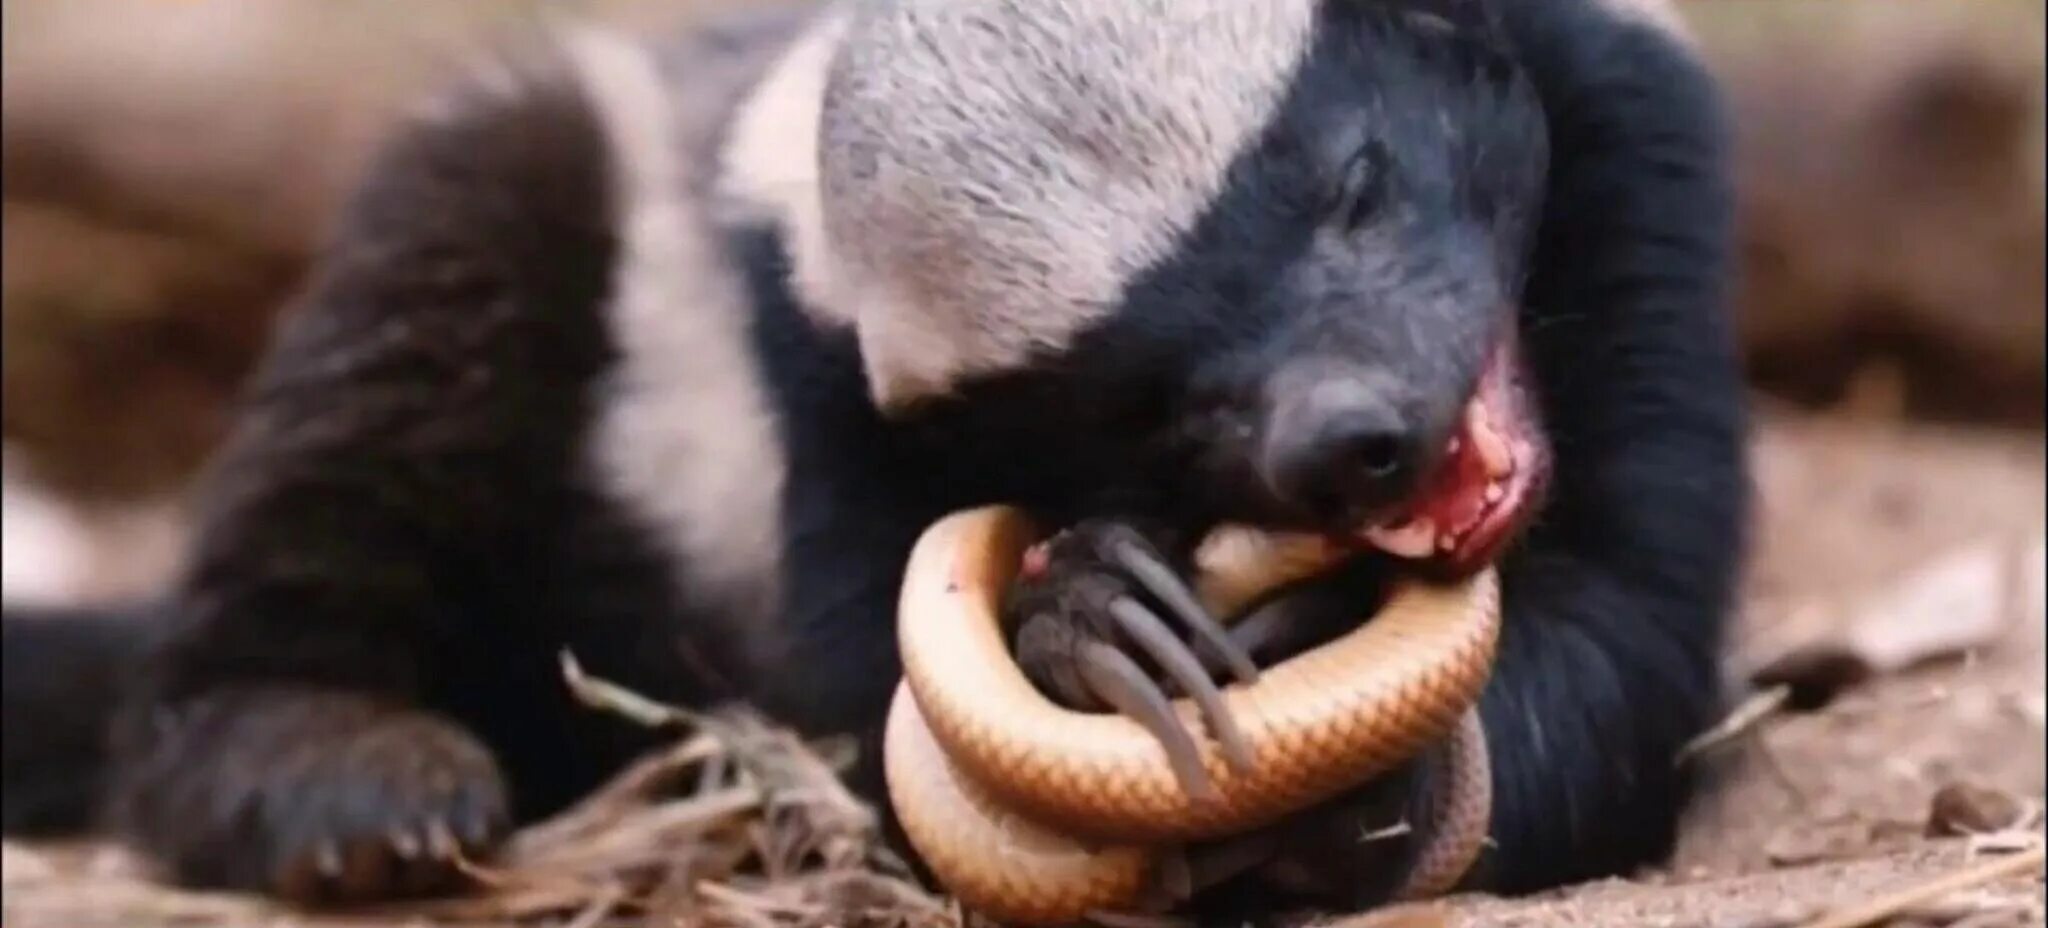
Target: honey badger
(665, 353)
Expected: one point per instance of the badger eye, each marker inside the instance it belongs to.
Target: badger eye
(1360, 186)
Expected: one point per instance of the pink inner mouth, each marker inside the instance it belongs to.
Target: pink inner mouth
(1491, 471)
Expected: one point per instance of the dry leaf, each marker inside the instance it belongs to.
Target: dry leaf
(1956, 604)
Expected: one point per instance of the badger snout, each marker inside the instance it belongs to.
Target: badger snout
(1340, 444)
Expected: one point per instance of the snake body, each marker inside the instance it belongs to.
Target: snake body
(1032, 813)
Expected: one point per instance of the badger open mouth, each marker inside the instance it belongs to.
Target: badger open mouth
(1492, 473)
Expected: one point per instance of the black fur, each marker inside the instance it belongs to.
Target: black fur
(62, 673)
(399, 539)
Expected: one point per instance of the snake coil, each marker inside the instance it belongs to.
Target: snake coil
(1034, 814)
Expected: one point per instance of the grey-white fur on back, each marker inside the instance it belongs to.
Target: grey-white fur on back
(995, 173)
(987, 176)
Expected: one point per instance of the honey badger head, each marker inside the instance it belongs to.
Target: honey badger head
(1276, 245)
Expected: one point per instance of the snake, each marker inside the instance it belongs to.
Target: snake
(1031, 813)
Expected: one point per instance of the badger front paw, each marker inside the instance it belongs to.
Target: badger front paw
(319, 798)
(1095, 612)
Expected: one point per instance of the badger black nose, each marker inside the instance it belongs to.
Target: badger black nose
(1339, 449)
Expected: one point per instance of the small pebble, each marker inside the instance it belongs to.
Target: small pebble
(1793, 847)
(1967, 809)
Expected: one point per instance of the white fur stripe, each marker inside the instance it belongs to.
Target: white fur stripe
(770, 163)
(685, 441)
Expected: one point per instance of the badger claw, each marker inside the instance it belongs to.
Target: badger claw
(1159, 580)
(1173, 656)
(1118, 681)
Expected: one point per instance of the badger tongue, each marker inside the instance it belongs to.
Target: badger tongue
(1414, 538)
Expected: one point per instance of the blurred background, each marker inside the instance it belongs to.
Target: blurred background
(169, 167)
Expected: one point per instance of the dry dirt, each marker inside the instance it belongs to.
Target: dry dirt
(1818, 811)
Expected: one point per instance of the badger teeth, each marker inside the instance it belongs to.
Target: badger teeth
(1411, 539)
(1491, 448)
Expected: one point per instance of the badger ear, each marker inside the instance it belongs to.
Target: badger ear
(908, 358)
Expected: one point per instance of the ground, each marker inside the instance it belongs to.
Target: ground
(1886, 540)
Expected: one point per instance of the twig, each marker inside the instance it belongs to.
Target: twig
(611, 697)
(603, 905)
(758, 902)
(627, 794)
(1888, 905)
(1759, 706)
(1395, 830)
